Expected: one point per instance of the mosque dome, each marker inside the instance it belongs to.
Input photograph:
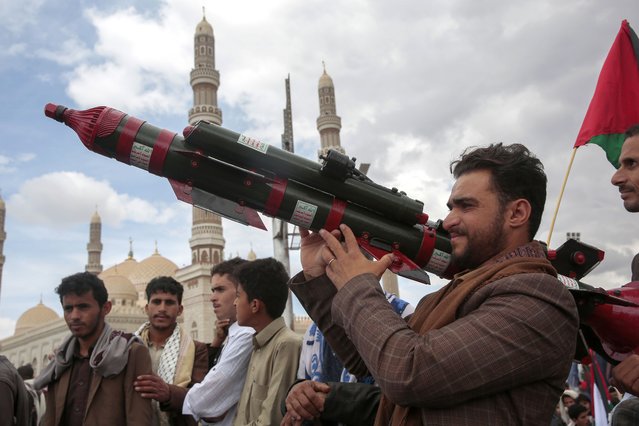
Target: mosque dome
(35, 317)
(153, 266)
(325, 81)
(124, 268)
(204, 28)
(120, 287)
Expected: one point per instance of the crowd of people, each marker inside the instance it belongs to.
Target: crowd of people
(494, 346)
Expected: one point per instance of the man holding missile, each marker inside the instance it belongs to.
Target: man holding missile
(494, 346)
(626, 374)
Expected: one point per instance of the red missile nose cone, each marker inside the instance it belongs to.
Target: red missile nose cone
(85, 123)
(55, 111)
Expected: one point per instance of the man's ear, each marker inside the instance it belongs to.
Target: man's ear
(518, 213)
(256, 306)
(106, 308)
(180, 310)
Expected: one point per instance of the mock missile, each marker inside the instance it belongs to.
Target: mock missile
(237, 176)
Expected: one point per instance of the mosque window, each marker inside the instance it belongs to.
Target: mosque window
(205, 257)
(210, 50)
(202, 50)
(194, 330)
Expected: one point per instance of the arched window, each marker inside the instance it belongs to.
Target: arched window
(194, 330)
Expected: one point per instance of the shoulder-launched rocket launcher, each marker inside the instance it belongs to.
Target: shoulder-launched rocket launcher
(237, 176)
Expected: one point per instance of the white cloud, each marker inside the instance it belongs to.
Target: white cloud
(63, 199)
(11, 164)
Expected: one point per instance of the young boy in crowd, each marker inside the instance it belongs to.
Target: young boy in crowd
(261, 298)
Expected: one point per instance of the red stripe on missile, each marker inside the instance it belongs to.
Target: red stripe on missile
(426, 248)
(275, 197)
(160, 150)
(335, 215)
(126, 139)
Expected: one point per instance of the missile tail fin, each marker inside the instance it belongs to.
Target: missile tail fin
(218, 205)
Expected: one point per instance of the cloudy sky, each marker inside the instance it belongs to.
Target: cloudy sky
(416, 82)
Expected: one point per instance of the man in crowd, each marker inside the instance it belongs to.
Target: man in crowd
(626, 374)
(178, 361)
(578, 415)
(90, 379)
(15, 406)
(215, 399)
(494, 346)
(261, 299)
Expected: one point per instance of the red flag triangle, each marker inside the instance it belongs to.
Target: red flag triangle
(615, 105)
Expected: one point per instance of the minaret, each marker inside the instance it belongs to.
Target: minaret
(94, 247)
(328, 122)
(207, 240)
(3, 237)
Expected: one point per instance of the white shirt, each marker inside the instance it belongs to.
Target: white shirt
(220, 390)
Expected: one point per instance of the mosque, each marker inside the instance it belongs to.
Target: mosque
(39, 329)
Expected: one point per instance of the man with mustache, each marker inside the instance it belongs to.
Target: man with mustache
(90, 379)
(178, 361)
(626, 374)
(494, 346)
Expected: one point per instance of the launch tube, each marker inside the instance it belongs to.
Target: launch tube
(232, 147)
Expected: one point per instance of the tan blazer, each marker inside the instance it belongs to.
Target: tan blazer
(112, 401)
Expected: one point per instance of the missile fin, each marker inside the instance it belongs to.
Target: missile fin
(207, 201)
(403, 266)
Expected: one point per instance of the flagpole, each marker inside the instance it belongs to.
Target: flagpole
(561, 194)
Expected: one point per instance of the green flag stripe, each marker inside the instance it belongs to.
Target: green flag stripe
(611, 144)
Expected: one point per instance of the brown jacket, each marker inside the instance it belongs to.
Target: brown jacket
(174, 405)
(112, 401)
(503, 361)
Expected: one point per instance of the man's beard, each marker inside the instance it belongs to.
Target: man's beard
(481, 246)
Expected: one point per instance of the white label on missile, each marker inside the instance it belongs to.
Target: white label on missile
(140, 155)
(303, 214)
(253, 143)
(438, 262)
(568, 282)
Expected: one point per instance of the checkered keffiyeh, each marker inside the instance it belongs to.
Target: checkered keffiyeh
(170, 354)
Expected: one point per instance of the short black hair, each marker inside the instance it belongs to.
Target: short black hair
(166, 285)
(582, 397)
(515, 173)
(632, 131)
(228, 267)
(81, 283)
(265, 280)
(26, 371)
(575, 411)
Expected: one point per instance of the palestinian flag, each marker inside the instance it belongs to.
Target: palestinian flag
(615, 105)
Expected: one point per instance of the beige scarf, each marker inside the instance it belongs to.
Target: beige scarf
(440, 309)
(178, 356)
